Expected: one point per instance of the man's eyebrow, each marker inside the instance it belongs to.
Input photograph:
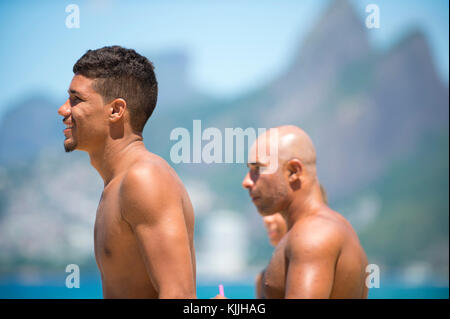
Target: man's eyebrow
(72, 91)
(254, 164)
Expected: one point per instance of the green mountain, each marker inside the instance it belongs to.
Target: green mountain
(379, 121)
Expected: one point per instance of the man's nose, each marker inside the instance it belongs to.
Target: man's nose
(247, 182)
(64, 109)
(268, 220)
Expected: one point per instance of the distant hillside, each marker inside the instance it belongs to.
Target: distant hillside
(379, 122)
(28, 127)
(371, 116)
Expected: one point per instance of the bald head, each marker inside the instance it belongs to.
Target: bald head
(295, 143)
(292, 143)
(287, 171)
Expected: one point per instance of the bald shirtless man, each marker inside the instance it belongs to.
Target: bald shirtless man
(320, 256)
(276, 229)
(144, 225)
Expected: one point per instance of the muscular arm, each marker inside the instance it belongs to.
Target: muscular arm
(312, 256)
(151, 204)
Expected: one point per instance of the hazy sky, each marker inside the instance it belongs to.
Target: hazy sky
(233, 45)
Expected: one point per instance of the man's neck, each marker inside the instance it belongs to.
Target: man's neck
(303, 204)
(113, 156)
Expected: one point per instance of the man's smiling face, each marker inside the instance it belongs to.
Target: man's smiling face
(84, 114)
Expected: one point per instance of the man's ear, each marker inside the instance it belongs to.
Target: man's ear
(117, 110)
(295, 168)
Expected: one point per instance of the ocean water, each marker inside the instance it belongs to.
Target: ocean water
(90, 288)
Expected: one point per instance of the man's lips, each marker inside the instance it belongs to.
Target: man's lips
(68, 122)
(272, 233)
(67, 129)
(252, 195)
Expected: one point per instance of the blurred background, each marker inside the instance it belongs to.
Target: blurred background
(375, 102)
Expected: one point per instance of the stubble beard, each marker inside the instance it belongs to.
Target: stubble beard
(271, 205)
(70, 146)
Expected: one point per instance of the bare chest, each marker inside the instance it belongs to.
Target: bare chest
(111, 232)
(275, 275)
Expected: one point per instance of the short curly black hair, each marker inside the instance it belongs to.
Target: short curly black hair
(122, 73)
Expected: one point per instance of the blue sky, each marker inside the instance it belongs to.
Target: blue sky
(221, 38)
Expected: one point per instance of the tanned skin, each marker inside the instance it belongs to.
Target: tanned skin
(144, 226)
(276, 229)
(320, 256)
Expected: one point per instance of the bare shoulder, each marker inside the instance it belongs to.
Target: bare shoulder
(318, 234)
(148, 188)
